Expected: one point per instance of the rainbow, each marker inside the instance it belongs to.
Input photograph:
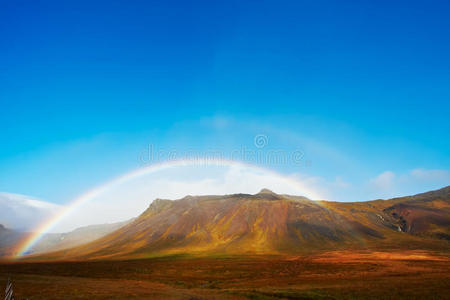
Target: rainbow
(29, 241)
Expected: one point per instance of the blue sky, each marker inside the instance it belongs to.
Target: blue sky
(361, 88)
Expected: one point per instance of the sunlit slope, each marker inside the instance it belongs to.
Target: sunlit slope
(268, 223)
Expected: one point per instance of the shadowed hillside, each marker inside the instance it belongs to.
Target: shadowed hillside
(269, 223)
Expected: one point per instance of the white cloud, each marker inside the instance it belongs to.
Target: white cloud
(24, 212)
(132, 198)
(129, 199)
(423, 174)
(339, 182)
(336, 189)
(384, 181)
(389, 184)
(218, 122)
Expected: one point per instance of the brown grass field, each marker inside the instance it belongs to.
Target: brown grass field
(411, 274)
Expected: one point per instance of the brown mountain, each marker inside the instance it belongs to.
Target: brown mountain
(269, 223)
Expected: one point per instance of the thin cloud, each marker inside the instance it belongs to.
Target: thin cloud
(384, 181)
(424, 174)
(24, 212)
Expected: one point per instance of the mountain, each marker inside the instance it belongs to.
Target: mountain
(424, 215)
(8, 238)
(79, 236)
(269, 223)
(56, 241)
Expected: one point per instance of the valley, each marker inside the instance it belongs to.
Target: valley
(328, 275)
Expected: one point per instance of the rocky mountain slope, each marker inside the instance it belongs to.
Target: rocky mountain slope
(269, 223)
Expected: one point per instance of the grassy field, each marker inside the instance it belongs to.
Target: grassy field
(330, 275)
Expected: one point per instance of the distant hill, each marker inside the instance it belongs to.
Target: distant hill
(79, 236)
(56, 241)
(269, 223)
(8, 238)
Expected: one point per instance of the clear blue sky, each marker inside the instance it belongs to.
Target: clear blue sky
(361, 87)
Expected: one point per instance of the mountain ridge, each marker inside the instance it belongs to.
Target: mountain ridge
(269, 223)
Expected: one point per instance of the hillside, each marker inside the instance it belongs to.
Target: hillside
(56, 241)
(78, 236)
(269, 223)
(8, 238)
